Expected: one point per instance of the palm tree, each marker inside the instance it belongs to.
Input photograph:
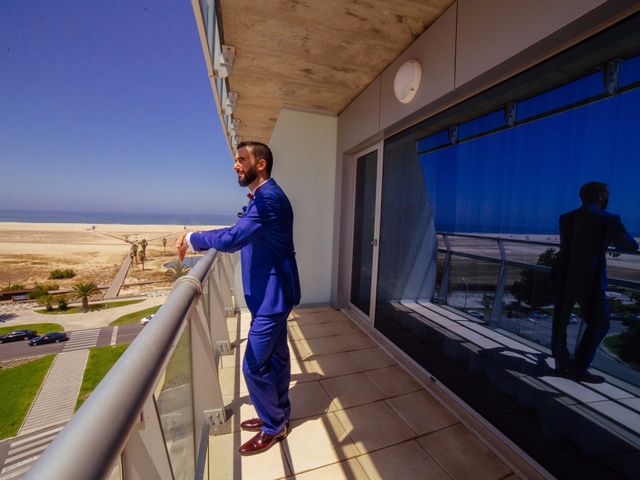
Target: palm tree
(142, 255)
(134, 252)
(164, 245)
(84, 291)
(176, 270)
(143, 245)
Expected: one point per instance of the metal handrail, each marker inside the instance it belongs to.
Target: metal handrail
(91, 442)
(619, 282)
(517, 240)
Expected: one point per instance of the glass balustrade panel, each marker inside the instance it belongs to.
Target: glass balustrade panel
(175, 406)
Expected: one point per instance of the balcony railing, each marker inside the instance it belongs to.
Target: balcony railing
(477, 274)
(151, 415)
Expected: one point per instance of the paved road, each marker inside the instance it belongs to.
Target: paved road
(80, 339)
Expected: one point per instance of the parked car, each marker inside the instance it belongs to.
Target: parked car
(146, 319)
(538, 315)
(51, 337)
(17, 335)
(476, 314)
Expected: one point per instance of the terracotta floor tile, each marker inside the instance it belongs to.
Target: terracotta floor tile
(406, 461)
(351, 390)
(393, 381)
(373, 426)
(301, 332)
(304, 370)
(347, 470)
(308, 399)
(316, 442)
(356, 341)
(226, 464)
(299, 349)
(344, 326)
(322, 345)
(232, 380)
(318, 317)
(372, 358)
(238, 408)
(422, 412)
(335, 364)
(242, 324)
(462, 455)
(235, 357)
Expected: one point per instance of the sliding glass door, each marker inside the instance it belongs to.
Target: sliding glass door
(365, 232)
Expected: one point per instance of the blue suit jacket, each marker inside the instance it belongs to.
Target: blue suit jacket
(585, 235)
(264, 235)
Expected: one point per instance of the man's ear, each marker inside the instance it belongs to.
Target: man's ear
(262, 165)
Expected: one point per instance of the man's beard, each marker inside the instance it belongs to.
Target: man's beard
(249, 176)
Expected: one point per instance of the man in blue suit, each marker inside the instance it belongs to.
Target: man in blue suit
(581, 276)
(264, 236)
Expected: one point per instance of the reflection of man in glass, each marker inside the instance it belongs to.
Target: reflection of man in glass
(581, 276)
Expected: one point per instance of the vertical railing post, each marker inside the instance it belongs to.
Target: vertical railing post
(217, 318)
(224, 279)
(444, 281)
(208, 405)
(230, 264)
(496, 308)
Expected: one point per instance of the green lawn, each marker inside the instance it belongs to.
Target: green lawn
(135, 316)
(100, 361)
(18, 387)
(38, 327)
(92, 307)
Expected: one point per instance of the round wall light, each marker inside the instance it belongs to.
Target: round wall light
(407, 81)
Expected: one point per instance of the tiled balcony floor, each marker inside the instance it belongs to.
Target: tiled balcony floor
(356, 414)
(574, 430)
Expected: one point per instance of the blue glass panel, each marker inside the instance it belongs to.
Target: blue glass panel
(520, 180)
(433, 141)
(482, 124)
(630, 71)
(573, 92)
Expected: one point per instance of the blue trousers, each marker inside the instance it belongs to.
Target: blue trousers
(594, 308)
(267, 370)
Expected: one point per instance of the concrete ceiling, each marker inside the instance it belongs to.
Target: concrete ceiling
(313, 54)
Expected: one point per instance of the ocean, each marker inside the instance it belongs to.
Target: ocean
(127, 218)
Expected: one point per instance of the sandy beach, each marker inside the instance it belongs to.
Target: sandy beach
(29, 251)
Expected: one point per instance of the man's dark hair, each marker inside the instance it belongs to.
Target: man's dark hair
(259, 150)
(590, 192)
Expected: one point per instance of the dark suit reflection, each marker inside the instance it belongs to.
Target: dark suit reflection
(581, 276)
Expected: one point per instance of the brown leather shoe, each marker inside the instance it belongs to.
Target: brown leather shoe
(261, 442)
(255, 425)
(252, 425)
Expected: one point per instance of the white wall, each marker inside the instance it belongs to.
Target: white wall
(473, 45)
(304, 150)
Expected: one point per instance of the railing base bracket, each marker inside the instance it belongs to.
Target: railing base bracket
(224, 347)
(217, 420)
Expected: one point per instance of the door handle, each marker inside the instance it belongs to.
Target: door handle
(374, 242)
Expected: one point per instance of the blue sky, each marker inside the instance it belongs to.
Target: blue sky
(521, 179)
(107, 106)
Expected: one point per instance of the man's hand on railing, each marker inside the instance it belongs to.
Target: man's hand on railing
(181, 245)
